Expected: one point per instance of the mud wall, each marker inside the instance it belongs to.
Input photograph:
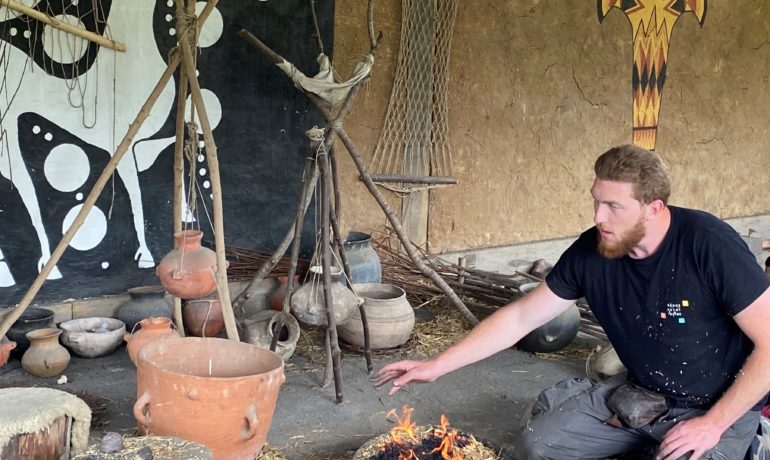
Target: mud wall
(538, 89)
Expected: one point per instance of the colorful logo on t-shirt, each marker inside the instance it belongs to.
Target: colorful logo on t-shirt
(674, 310)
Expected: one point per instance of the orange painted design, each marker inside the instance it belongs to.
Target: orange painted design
(651, 23)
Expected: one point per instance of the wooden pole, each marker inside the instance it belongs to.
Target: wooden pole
(181, 104)
(63, 26)
(216, 186)
(89, 202)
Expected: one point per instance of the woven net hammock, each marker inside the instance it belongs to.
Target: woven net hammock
(413, 150)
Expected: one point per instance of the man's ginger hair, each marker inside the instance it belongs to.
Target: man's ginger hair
(637, 166)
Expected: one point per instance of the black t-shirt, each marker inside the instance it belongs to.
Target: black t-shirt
(669, 316)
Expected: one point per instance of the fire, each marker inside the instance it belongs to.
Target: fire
(405, 434)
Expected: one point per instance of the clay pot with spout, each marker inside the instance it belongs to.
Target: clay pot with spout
(216, 392)
(261, 327)
(308, 302)
(153, 329)
(188, 270)
(45, 357)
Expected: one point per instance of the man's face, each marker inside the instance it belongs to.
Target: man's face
(619, 217)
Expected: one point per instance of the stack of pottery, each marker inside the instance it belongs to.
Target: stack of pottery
(152, 330)
(46, 357)
(188, 270)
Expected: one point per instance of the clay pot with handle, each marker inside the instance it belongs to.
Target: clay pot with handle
(5, 350)
(188, 270)
(153, 329)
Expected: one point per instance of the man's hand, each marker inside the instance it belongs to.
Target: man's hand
(403, 372)
(697, 435)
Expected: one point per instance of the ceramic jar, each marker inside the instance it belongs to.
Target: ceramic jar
(389, 316)
(144, 302)
(46, 357)
(203, 317)
(5, 350)
(153, 329)
(216, 392)
(260, 329)
(188, 270)
(276, 297)
(363, 260)
(308, 302)
(32, 318)
(92, 337)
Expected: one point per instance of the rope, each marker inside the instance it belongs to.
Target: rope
(415, 137)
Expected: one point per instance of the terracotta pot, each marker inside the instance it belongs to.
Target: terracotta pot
(276, 298)
(389, 315)
(308, 303)
(261, 327)
(216, 392)
(187, 272)
(144, 302)
(153, 329)
(203, 317)
(46, 357)
(5, 350)
(92, 337)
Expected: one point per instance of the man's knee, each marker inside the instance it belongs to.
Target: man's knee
(538, 444)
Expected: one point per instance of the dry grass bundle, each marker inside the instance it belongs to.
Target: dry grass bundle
(270, 453)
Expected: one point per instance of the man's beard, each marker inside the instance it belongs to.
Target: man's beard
(616, 249)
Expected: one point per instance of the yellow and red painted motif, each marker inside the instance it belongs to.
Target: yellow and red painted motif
(651, 23)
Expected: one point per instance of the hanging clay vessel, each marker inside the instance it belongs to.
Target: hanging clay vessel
(216, 392)
(45, 357)
(308, 303)
(5, 350)
(153, 329)
(389, 316)
(261, 327)
(203, 317)
(187, 272)
(144, 302)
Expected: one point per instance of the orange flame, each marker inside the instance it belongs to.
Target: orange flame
(404, 427)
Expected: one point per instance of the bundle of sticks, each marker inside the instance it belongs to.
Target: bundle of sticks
(244, 264)
(490, 289)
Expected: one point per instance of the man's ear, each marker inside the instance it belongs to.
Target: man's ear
(655, 208)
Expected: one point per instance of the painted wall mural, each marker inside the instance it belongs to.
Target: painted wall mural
(66, 103)
(652, 22)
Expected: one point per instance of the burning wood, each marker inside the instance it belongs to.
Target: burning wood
(408, 441)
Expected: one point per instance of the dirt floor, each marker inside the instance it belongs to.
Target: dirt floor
(486, 399)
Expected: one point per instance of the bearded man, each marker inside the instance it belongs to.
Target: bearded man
(683, 301)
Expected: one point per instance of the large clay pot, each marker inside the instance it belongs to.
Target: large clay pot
(216, 392)
(261, 327)
(389, 315)
(363, 260)
(308, 303)
(46, 357)
(153, 329)
(553, 335)
(203, 317)
(32, 318)
(187, 271)
(144, 302)
(92, 337)
(5, 350)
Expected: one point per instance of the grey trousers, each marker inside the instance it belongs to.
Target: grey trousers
(567, 422)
